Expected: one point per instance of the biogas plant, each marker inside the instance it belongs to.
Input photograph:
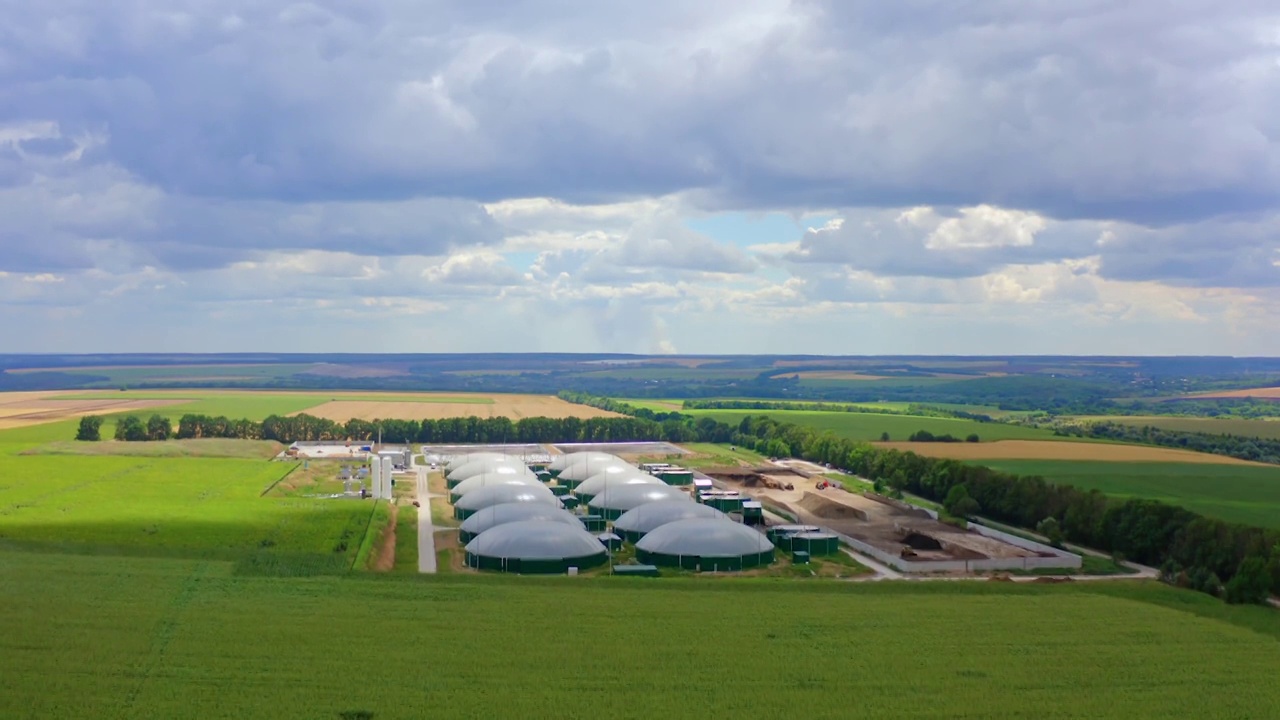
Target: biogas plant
(601, 509)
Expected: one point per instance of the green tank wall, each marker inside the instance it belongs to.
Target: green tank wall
(534, 567)
(816, 544)
(706, 564)
(593, 523)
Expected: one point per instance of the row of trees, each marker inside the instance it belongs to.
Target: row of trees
(926, 436)
(130, 428)
(1238, 562)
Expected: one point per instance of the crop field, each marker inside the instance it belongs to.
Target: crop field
(1269, 429)
(113, 637)
(195, 448)
(1070, 451)
(1243, 494)
(1272, 393)
(511, 406)
(184, 506)
(22, 409)
(870, 426)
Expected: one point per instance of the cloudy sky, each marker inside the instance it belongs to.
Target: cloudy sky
(736, 176)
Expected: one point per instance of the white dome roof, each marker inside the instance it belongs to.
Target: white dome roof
(704, 537)
(476, 482)
(560, 462)
(460, 460)
(483, 497)
(648, 517)
(596, 484)
(583, 469)
(505, 467)
(625, 497)
(504, 513)
(535, 540)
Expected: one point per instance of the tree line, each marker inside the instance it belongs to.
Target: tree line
(1237, 562)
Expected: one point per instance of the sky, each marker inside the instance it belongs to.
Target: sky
(727, 176)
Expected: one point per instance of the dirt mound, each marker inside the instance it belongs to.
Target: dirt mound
(829, 509)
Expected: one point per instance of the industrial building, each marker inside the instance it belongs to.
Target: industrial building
(705, 544)
(504, 513)
(640, 521)
(535, 546)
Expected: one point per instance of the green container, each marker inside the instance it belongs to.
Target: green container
(676, 477)
(610, 540)
(779, 534)
(593, 523)
(558, 490)
(544, 476)
(570, 502)
(636, 570)
(800, 557)
(724, 503)
(816, 543)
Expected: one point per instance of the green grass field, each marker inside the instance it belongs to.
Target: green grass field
(203, 448)
(1269, 429)
(869, 426)
(123, 637)
(169, 506)
(1239, 493)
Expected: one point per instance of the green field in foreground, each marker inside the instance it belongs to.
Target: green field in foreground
(1239, 493)
(125, 637)
(174, 506)
(869, 426)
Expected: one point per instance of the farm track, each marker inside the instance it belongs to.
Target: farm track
(426, 531)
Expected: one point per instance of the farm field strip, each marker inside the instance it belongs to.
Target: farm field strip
(1268, 429)
(1243, 494)
(511, 406)
(1058, 450)
(97, 637)
(870, 426)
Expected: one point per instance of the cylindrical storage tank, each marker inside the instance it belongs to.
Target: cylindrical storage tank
(816, 543)
(640, 521)
(485, 479)
(676, 476)
(534, 546)
(560, 462)
(596, 484)
(581, 470)
(705, 544)
(614, 501)
(460, 460)
(505, 467)
(779, 534)
(482, 498)
(504, 513)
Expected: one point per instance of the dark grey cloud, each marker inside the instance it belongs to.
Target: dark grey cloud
(1085, 109)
